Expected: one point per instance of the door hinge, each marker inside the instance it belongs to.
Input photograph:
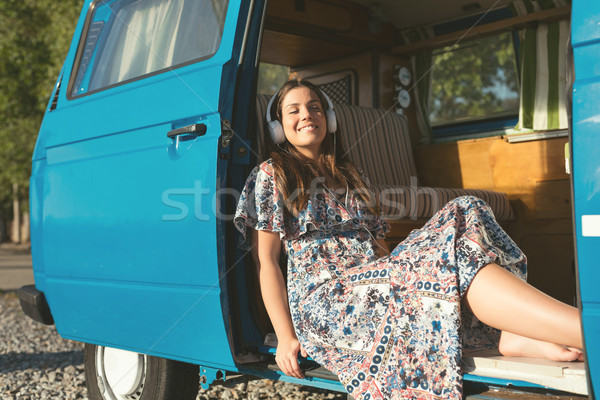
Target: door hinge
(226, 133)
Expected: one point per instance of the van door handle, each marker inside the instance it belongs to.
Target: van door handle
(194, 129)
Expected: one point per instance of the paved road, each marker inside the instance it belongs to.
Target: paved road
(15, 269)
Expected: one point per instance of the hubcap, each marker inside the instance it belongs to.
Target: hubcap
(121, 373)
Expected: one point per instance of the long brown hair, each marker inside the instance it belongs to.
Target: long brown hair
(296, 174)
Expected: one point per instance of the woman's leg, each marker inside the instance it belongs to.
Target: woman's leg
(503, 301)
(521, 346)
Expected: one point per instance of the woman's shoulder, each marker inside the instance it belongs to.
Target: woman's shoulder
(264, 171)
(266, 166)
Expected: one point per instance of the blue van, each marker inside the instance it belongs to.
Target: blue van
(157, 117)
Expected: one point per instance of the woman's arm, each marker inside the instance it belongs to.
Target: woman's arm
(274, 293)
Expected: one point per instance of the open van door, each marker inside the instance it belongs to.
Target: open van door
(124, 231)
(585, 36)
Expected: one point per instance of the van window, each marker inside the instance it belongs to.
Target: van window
(128, 39)
(271, 77)
(474, 80)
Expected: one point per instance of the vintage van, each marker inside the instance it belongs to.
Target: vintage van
(157, 118)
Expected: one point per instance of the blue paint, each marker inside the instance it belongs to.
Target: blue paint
(126, 244)
(585, 142)
(489, 125)
(124, 233)
(308, 381)
(502, 382)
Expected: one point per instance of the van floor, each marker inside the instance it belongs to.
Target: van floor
(489, 375)
(563, 376)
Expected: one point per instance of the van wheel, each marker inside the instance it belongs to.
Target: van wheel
(113, 374)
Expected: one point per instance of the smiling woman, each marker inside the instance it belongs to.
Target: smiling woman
(319, 153)
(368, 318)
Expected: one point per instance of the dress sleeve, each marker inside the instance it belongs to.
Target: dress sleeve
(260, 206)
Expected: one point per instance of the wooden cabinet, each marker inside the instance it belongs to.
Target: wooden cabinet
(533, 176)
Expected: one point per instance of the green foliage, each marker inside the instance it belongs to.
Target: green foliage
(271, 77)
(5, 198)
(474, 80)
(34, 40)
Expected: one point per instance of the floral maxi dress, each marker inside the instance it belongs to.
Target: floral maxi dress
(390, 327)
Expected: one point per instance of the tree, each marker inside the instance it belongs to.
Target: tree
(271, 77)
(474, 80)
(34, 39)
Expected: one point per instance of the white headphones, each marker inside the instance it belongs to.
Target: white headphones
(276, 130)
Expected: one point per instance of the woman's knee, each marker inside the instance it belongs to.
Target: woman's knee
(468, 203)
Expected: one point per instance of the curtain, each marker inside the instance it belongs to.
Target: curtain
(543, 71)
(136, 43)
(140, 39)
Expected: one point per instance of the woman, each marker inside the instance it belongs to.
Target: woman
(390, 327)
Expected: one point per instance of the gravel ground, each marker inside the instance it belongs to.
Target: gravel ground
(36, 363)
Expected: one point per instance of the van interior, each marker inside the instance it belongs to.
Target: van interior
(436, 99)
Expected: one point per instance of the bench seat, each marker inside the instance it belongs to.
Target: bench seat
(378, 142)
(421, 202)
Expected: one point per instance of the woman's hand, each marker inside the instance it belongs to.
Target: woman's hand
(287, 357)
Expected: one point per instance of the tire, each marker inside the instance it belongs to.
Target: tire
(113, 374)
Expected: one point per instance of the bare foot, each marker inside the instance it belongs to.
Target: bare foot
(520, 346)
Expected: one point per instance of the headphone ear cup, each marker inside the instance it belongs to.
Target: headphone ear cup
(276, 131)
(331, 121)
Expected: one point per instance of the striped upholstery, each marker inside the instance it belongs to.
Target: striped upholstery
(420, 202)
(379, 144)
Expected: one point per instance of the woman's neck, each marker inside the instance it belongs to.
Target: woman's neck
(312, 154)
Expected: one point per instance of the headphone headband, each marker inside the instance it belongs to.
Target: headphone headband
(269, 119)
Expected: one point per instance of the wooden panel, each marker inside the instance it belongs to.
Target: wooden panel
(438, 165)
(360, 64)
(551, 262)
(315, 13)
(553, 199)
(333, 21)
(519, 22)
(520, 165)
(287, 49)
(399, 229)
(493, 163)
(532, 175)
